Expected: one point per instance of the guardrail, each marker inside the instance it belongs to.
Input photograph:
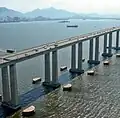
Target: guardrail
(69, 40)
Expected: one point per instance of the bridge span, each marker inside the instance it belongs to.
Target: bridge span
(8, 62)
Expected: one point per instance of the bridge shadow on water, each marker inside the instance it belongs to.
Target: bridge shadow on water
(38, 92)
(34, 94)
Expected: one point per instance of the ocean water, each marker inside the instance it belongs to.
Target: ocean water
(20, 36)
(91, 96)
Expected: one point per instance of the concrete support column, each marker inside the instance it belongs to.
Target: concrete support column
(91, 49)
(97, 49)
(79, 70)
(55, 69)
(117, 39)
(5, 84)
(96, 60)
(13, 84)
(105, 43)
(91, 61)
(73, 57)
(47, 67)
(110, 45)
(105, 54)
(80, 56)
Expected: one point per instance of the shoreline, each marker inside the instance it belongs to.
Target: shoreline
(7, 22)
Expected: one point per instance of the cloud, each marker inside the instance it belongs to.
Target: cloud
(101, 6)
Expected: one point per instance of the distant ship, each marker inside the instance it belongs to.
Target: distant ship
(10, 51)
(72, 26)
(64, 21)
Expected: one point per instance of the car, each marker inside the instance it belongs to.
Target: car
(45, 47)
(55, 44)
(26, 54)
(36, 50)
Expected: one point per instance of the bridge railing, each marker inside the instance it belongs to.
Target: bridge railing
(82, 35)
(62, 41)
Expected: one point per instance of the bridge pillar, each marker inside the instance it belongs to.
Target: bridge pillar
(96, 61)
(47, 69)
(117, 41)
(104, 54)
(5, 84)
(73, 58)
(90, 50)
(55, 83)
(110, 45)
(97, 50)
(13, 84)
(11, 105)
(80, 71)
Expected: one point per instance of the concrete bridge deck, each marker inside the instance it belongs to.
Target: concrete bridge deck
(42, 49)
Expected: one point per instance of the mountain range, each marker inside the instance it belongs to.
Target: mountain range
(4, 12)
(50, 13)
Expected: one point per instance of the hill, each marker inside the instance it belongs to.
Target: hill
(50, 13)
(4, 12)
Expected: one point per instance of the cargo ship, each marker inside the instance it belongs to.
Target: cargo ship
(72, 26)
(64, 21)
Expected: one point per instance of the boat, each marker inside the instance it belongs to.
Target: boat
(30, 111)
(63, 68)
(64, 21)
(106, 62)
(35, 80)
(67, 87)
(72, 26)
(117, 55)
(10, 51)
(91, 72)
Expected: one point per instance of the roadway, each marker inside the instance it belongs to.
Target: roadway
(42, 49)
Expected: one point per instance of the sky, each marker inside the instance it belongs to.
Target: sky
(78, 6)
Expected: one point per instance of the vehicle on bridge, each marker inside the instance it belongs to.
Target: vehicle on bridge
(10, 51)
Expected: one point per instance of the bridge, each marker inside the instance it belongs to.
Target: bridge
(8, 62)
